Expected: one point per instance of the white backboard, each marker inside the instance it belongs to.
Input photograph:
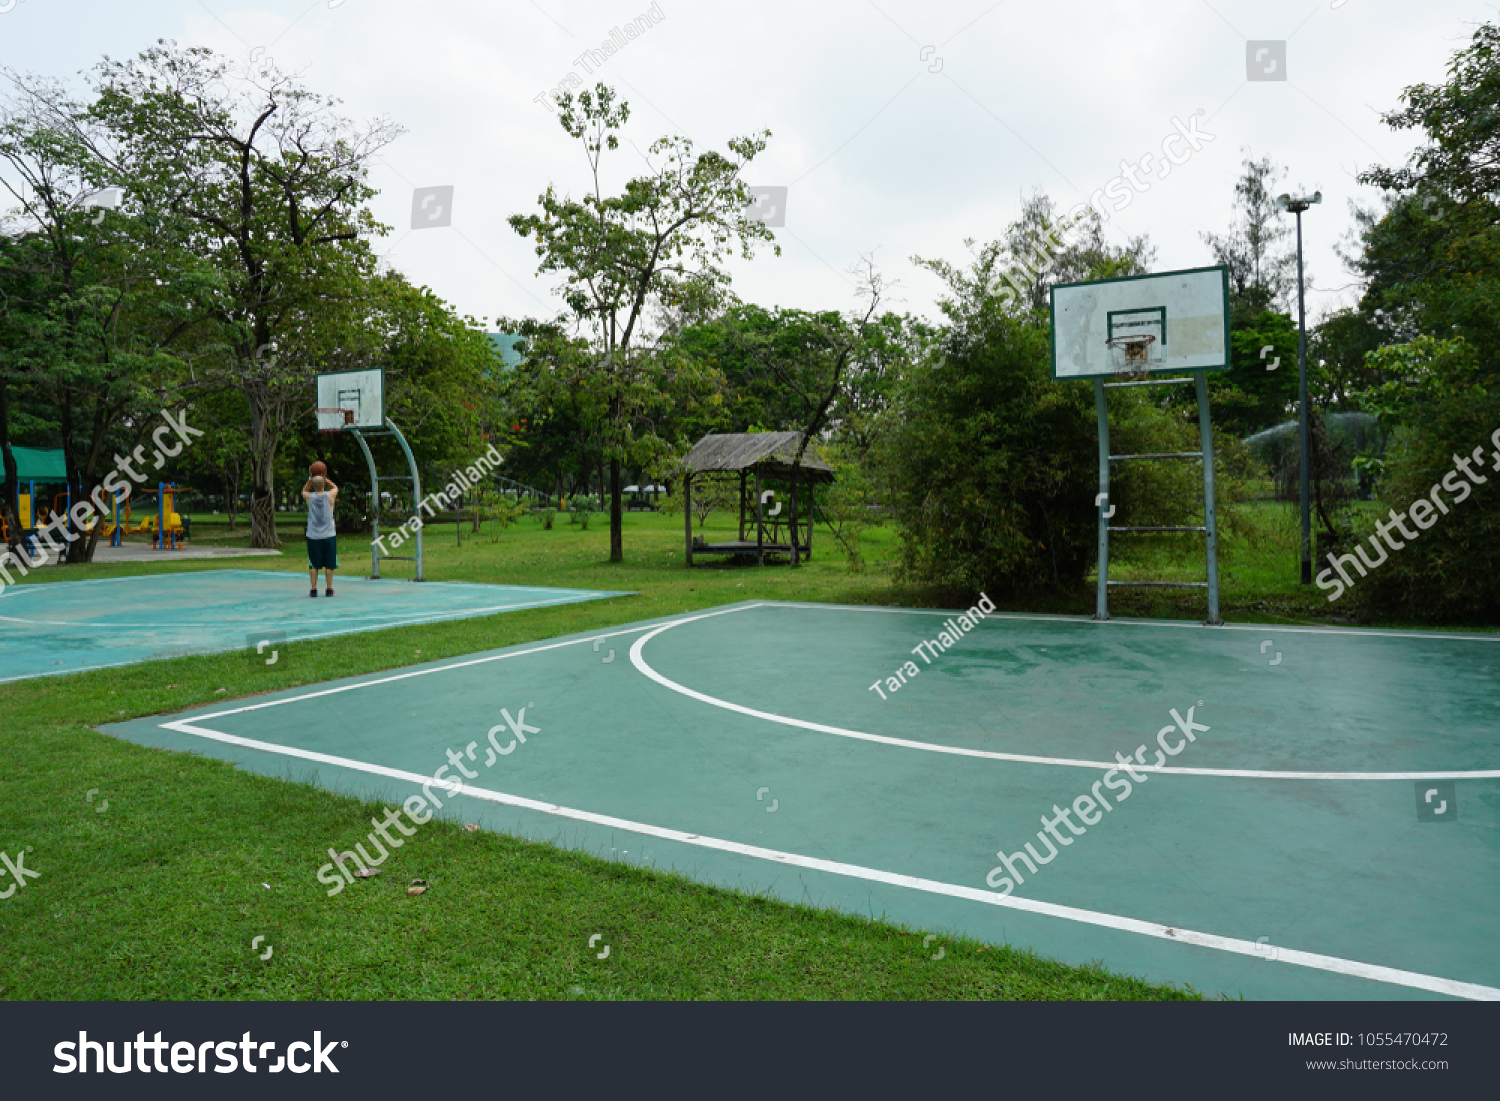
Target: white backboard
(1187, 312)
(362, 392)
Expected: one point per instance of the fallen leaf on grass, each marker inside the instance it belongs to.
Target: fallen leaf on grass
(219, 691)
(418, 887)
(471, 827)
(366, 873)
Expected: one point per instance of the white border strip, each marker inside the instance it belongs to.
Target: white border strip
(432, 669)
(1085, 621)
(904, 743)
(1334, 964)
(580, 596)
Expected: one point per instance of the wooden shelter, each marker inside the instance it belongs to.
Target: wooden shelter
(768, 458)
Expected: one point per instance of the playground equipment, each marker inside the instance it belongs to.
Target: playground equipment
(167, 528)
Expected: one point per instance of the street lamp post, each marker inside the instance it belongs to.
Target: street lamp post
(1297, 205)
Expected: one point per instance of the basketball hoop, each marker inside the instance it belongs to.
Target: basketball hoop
(333, 421)
(1130, 356)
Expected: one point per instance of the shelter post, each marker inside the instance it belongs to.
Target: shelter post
(742, 506)
(687, 513)
(760, 527)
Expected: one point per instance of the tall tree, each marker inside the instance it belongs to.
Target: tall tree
(271, 182)
(1262, 267)
(92, 330)
(806, 358)
(661, 242)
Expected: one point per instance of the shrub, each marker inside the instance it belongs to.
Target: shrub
(581, 508)
(1451, 572)
(992, 465)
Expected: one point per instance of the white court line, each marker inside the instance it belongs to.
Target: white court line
(434, 617)
(1334, 964)
(433, 669)
(1084, 621)
(373, 620)
(1067, 762)
(396, 618)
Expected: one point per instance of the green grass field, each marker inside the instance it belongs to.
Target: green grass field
(160, 895)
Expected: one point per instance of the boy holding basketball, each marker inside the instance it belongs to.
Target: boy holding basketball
(322, 537)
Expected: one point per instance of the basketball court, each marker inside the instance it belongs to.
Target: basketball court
(69, 626)
(1325, 822)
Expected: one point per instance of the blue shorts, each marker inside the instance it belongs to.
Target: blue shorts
(323, 554)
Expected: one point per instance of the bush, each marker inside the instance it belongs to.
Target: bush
(581, 507)
(993, 466)
(847, 506)
(1451, 572)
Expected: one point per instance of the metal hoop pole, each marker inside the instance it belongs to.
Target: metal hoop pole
(416, 489)
(374, 506)
(1101, 602)
(1210, 517)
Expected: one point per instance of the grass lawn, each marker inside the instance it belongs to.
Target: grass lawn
(160, 895)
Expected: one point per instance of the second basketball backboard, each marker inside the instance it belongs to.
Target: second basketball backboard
(1174, 321)
(362, 393)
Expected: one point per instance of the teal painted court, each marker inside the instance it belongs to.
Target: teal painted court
(68, 626)
(1330, 831)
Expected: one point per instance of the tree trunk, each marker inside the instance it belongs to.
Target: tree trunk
(263, 440)
(232, 494)
(616, 515)
(8, 503)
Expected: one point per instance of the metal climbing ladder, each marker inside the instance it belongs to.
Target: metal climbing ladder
(1209, 527)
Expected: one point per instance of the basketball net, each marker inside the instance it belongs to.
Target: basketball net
(1130, 356)
(332, 421)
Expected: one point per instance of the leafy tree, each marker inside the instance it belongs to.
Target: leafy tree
(1257, 391)
(663, 240)
(92, 331)
(1262, 269)
(550, 410)
(1431, 260)
(271, 185)
(991, 464)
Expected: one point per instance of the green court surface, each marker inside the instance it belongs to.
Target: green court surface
(1331, 831)
(68, 626)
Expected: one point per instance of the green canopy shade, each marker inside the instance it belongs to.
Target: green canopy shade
(40, 465)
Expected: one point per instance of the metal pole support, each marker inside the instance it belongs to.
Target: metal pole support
(1210, 515)
(374, 506)
(1303, 414)
(1101, 604)
(416, 489)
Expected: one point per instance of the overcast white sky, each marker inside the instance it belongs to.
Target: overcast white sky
(899, 127)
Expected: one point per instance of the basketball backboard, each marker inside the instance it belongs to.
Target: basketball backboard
(360, 392)
(1175, 321)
